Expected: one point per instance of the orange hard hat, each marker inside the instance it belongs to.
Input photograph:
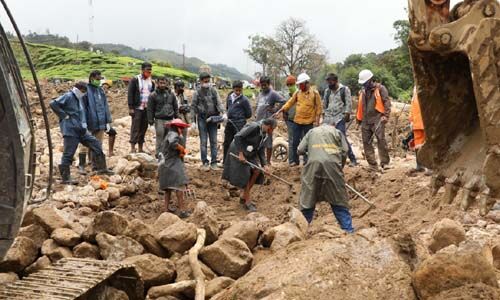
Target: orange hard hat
(177, 123)
(291, 79)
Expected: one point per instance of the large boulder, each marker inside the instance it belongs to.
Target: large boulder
(41, 263)
(58, 253)
(163, 222)
(204, 216)
(21, 254)
(49, 218)
(453, 267)
(179, 237)
(131, 167)
(263, 222)
(35, 233)
(146, 161)
(228, 257)
(120, 166)
(108, 222)
(446, 232)
(281, 236)
(112, 293)
(65, 237)
(470, 291)
(153, 269)
(216, 285)
(117, 248)
(142, 233)
(247, 231)
(350, 268)
(86, 250)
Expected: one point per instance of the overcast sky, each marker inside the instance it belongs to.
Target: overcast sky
(216, 31)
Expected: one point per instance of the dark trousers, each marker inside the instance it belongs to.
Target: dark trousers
(291, 155)
(341, 126)
(71, 144)
(139, 126)
(208, 131)
(299, 131)
(341, 213)
(367, 131)
(232, 128)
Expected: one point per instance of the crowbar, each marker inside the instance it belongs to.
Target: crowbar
(372, 205)
(254, 166)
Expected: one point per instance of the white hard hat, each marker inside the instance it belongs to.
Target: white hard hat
(303, 78)
(364, 76)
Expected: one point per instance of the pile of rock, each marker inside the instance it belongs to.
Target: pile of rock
(158, 250)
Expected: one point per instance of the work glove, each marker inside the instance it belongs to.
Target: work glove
(108, 127)
(182, 151)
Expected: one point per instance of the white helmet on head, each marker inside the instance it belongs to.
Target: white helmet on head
(364, 76)
(303, 78)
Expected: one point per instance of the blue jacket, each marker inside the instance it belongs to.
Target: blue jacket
(65, 106)
(239, 110)
(96, 108)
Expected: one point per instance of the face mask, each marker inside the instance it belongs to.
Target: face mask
(95, 82)
(292, 89)
(303, 87)
(205, 85)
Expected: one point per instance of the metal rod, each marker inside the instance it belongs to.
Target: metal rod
(254, 166)
(360, 195)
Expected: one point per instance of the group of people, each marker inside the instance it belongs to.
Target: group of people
(317, 128)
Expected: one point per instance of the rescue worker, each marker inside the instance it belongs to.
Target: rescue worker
(323, 177)
(337, 105)
(96, 106)
(307, 114)
(267, 102)
(171, 170)
(139, 89)
(291, 88)
(184, 108)
(374, 109)
(248, 145)
(73, 124)
(162, 108)
(417, 125)
(206, 104)
(238, 111)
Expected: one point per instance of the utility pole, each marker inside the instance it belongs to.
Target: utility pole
(184, 56)
(91, 24)
(76, 50)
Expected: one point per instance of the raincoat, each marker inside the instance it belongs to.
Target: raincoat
(171, 168)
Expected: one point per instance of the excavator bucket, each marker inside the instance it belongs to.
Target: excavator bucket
(17, 146)
(456, 62)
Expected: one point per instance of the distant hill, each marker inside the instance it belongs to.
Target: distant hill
(192, 64)
(63, 63)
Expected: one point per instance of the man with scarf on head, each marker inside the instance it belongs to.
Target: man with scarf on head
(268, 101)
(95, 104)
(139, 89)
(238, 111)
(307, 114)
(248, 146)
(374, 109)
(337, 104)
(73, 124)
(207, 109)
(162, 108)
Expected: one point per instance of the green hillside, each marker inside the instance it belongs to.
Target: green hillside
(63, 63)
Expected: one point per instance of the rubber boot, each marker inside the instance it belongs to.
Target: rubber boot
(111, 145)
(66, 175)
(82, 157)
(102, 168)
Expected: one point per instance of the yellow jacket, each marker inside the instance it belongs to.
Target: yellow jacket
(308, 107)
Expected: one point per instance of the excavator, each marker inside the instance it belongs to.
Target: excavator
(456, 61)
(455, 55)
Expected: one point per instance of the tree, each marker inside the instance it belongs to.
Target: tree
(297, 48)
(402, 28)
(260, 50)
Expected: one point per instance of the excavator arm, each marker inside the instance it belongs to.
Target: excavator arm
(456, 61)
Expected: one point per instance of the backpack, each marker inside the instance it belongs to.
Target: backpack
(329, 92)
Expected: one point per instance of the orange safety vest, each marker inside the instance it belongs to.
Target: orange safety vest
(416, 114)
(379, 104)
